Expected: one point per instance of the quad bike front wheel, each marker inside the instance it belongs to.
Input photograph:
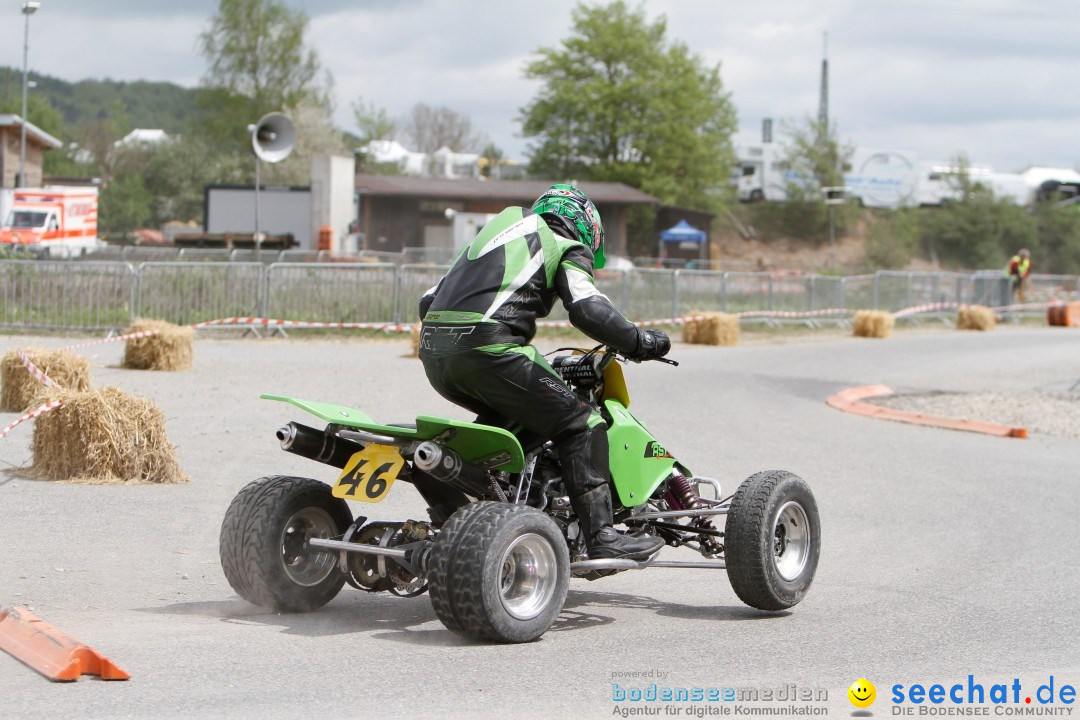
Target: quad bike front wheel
(499, 572)
(772, 540)
(264, 543)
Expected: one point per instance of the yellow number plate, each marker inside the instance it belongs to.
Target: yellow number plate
(368, 475)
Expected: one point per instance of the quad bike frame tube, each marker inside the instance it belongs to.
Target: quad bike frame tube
(356, 548)
(625, 564)
(660, 514)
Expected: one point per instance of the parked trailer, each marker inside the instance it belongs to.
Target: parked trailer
(872, 177)
(880, 178)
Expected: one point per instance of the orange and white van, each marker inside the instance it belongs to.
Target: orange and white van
(53, 221)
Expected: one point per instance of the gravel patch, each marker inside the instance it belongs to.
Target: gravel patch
(1046, 413)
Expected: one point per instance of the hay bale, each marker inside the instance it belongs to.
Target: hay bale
(689, 334)
(975, 317)
(712, 328)
(106, 437)
(873, 324)
(172, 348)
(19, 389)
(414, 334)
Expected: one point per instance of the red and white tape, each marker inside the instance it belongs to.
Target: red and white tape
(51, 405)
(934, 307)
(34, 371)
(793, 313)
(115, 338)
(271, 322)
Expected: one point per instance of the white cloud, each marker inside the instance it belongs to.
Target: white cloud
(994, 78)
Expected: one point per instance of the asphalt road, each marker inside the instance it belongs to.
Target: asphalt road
(945, 553)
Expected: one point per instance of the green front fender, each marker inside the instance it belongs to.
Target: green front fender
(638, 462)
(475, 443)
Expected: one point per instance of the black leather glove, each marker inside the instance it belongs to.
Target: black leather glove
(652, 344)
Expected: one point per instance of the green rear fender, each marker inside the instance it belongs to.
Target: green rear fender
(638, 462)
(475, 443)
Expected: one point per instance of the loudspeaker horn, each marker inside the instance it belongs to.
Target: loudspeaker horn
(273, 137)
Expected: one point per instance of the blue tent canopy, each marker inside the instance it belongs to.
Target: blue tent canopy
(684, 232)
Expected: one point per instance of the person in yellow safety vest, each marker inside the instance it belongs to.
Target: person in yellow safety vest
(1018, 271)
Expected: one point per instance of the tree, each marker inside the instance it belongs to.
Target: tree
(125, 204)
(255, 48)
(619, 101)
(976, 229)
(373, 122)
(1059, 238)
(893, 239)
(178, 171)
(491, 158)
(40, 112)
(815, 158)
(814, 153)
(426, 129)
(257, 63)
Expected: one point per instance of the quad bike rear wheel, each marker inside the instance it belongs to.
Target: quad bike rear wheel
(772, 540)
(499, 572)
(264, 543)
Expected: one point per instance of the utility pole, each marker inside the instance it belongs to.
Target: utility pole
(823, 99)
(28, 9)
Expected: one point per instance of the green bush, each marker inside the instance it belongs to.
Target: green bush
(893, 238)
(978, 231)
(125, 204)
(1059, 239)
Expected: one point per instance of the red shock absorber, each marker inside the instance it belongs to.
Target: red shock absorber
(680, 496)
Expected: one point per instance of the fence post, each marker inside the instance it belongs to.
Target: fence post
(723, 291)
(134, 293)
(770, 307)
(624, 289)
(398, 292)
(810, 293)
(262, 305)
(843, 292)
(877, 275)
(675, 293)
(910, 297)
(136, 308)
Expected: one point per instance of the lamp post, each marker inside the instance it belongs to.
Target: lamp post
(28, 9)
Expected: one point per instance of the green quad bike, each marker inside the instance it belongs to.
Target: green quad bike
(498, 562)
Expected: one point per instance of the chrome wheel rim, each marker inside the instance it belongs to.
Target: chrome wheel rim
(527, 578)
(303, 565)
(791, 540)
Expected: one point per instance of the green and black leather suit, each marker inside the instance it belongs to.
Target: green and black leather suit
(478, 323)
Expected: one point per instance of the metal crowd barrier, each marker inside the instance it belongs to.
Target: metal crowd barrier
(334, 292)
(37, 294)
(186, 293)
(95, 295)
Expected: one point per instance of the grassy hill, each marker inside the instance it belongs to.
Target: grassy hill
(147, 104)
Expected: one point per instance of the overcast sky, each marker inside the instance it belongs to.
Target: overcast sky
(994, 78)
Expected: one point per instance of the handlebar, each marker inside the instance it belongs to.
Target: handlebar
(611, 353)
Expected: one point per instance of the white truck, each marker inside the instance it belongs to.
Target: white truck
(874, 178)
(939, 180)
(52, 222)
(761, 173)
(882, 178)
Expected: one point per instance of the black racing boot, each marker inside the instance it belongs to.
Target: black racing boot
(584, 458)
(593, 510)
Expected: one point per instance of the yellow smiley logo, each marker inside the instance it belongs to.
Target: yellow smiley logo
(862, 693)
